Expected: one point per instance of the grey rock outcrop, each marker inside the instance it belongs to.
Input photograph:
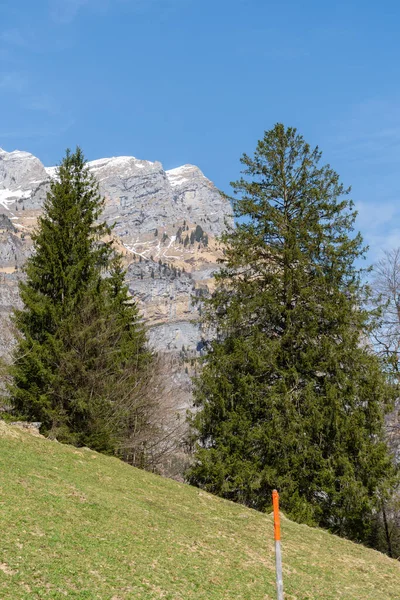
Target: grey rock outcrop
(142, 197)
(9, 299)
(6, 224)
(20, 170)
(22, 180)
(13, 250)
(167, 298)
(198, 199)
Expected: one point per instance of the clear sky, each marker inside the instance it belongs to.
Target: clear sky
(198, 81)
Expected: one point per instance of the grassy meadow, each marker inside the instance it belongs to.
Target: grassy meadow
(79, 525)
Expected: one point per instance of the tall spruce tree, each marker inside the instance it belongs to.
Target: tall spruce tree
(290, 395)
(81, 347)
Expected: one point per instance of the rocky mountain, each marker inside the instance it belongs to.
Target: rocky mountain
(166, 223)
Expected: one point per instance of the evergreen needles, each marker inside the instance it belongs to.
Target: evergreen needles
(81, 349)
(290, 395)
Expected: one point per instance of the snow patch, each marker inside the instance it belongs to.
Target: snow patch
(51, 172)
(132, 249)
(17, 154)
(119, 161)
(10, 196)
(179, 170)
(180, 175)
(115, 161)
(178, 181)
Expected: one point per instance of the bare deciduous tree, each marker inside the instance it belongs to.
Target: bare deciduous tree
(156, 440)
(386, 337)
(386, 294)
(386, 341)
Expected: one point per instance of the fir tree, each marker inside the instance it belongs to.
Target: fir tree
(198, 233)
(291, 396)
(79, 330)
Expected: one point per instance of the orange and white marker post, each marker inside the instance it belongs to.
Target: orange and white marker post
(278, 553)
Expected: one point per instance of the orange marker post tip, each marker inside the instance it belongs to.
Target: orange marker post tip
(277, 520)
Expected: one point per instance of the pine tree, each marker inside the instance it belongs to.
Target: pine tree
(80, 333)
(290, 395)
(198, 233)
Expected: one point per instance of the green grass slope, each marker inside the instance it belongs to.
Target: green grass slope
(75, 524)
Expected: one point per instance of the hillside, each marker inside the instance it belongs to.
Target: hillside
(76, 524)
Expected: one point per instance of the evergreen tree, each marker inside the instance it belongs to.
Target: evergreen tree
(198, 233)
(80, 333)
(290, 395)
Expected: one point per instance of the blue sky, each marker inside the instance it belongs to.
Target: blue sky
(198, 81)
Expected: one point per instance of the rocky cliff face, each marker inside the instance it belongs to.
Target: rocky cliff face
(166, 223)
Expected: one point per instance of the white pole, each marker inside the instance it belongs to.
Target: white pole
(278, 553)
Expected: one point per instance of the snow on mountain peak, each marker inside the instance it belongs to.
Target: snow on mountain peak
(119, 161)
(183, 174)
(51, 171)
(16, 154)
